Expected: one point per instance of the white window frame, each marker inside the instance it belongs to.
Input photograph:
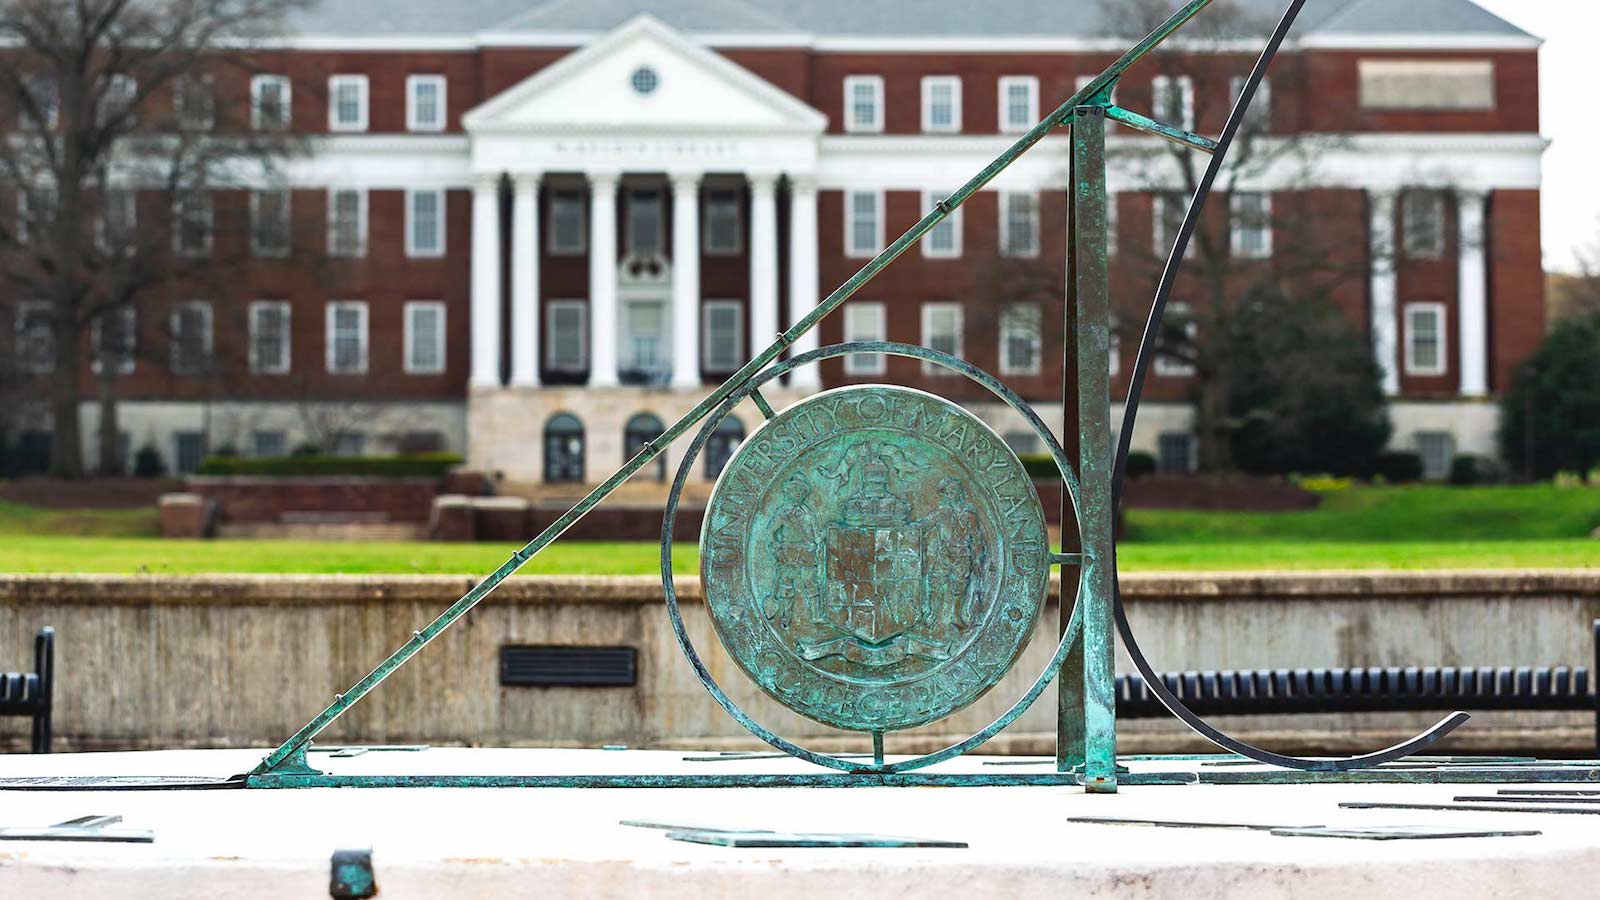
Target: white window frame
(865, 363)
(179, 217)
(582, 245)
(412, 307)
(1434, 249)
(256, 247)
(361, 223)
(706, 246)
(739, 328)
(121, 88)
(363, 102)
(1260, 114)
(412, 248)
(207, 336)
(1185, 85)
(929, 310)
(875, 82)
(102, 230)
(550, 309)
(182, 114)
(23, 311)
(1237, 229)
(952, 222)
(285, 111)
(331, 336)
(1006, 83)
(258, 366)
(1006, 248)
(1008, 319)
(1441, 337)
(1170, 367)
(440, 85)
(850, 248)
(127, 363)
(929, 83)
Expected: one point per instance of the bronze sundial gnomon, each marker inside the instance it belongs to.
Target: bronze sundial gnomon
(874, 557)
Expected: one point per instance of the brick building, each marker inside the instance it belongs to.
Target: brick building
(557, 223)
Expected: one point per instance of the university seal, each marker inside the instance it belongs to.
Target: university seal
(875, 558)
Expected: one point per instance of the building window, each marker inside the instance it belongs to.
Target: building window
(111, 339)
(36, 210)
(1023, 443)
(864, 321)
(192, 218)
(1113, 218)
(36, 337)
(863, 222)
(941, 104)
(645, 356)
(425, 102)
(1437, 450)
(347, 103)
(1427, 84)
(189, 451)
(269, 223)
(1251, 214)
(269, 103)
(1175, 453)
(425, 223)
(566, 336)
(640, 430)
(269, 337)
(119, 99)
(273, 442)
(347, 337)
(944, 240)
(1423, 212)
(1168, 211)
(1114, 352)
(1019, 102)
(191, 338)
(1085, 80)
(941, 332)
(644, 221)
(645, 80)
(563, 449)
(194, 104)
(725, 439)
(1425, 350)
(1259, 118)
(863, 99)
(1174, 347)
(569, 221)
(347, 222)
(45, 92)
(117, 231)
(349, 443)
(424, 337)
(1021, 344)
(1173, 100)
(724, 232)
(722, 351)
(1019, 224)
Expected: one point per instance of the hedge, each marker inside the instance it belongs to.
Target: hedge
(421, 465)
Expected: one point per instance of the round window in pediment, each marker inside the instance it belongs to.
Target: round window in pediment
(645, 80)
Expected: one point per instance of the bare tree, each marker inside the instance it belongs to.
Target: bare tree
(115, 146)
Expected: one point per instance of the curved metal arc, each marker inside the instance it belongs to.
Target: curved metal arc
(703, 673)
(1130, 412)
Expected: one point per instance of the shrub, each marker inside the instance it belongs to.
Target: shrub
(1140, 464)
(228, 450)
(1550, 418)
(306, 450)
(422, 465)
(1469, 469)
(1040, 466)
(147, 462)
(1398, 468)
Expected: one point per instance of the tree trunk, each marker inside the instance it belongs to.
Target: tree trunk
(1215, 450)
(110, 432)
(66, 448)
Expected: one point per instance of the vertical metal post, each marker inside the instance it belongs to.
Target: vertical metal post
(1095, 455)
(1069, 684)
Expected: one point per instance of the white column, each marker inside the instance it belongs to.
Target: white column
(486, 281)
(686, 281)
(603, 279)
(525, 281)
(1472, 305)
(763, 261)
(803, 274)
(1385, 339)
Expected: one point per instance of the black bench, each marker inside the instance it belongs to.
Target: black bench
(29, 693)
(1392, 689)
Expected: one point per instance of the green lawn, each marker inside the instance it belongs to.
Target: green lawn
(1388, 528)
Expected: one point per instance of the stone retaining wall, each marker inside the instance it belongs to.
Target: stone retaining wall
(244, 660)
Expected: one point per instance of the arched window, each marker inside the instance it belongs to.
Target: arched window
(721, 444)
(640, 430)
(563, 448)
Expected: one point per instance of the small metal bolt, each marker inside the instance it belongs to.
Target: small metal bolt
(416, 635)
(338, 698)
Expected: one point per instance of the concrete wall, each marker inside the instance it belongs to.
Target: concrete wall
(245, 660)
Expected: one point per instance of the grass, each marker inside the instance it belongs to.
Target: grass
(1418, 527)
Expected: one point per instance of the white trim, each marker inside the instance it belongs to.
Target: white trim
(361, 222)
(928, 311)
(953, 222)
(411, 308)
(850, 250)
(550, 309)
(363, 102)
(706, 362)
(1334, 40)
(174, 343)
(1236, 231)
(330, 335)
(442, 86)
(287, 86)
(929, 84)
(1003, 105)
(1440, 335)
(848, 111)
(1035, 336)
(579, 248)
(412, 250)
(256, 366)
(865, 363)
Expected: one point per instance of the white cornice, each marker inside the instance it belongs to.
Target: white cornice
(1336, 41)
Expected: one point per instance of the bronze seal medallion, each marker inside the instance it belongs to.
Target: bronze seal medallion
(874, 557)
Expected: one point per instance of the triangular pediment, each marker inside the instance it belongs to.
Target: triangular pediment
(695, 90)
